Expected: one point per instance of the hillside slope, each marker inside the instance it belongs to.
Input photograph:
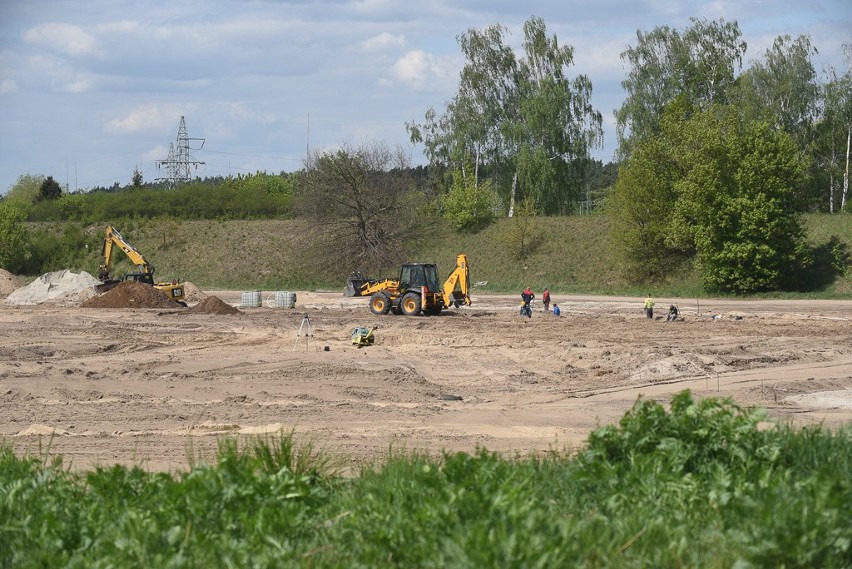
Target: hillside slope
(566, 254)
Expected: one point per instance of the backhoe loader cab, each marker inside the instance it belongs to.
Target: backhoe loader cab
(416, 275)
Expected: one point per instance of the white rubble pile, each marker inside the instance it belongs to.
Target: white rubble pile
(58, 287)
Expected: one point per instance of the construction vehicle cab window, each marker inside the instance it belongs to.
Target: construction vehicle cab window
(417, 290)
(145, 270)
(414, 276)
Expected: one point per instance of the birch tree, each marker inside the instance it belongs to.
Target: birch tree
(520, 116)
(698, 63)
(782, 87)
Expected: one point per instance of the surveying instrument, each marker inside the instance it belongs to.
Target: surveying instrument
(306, 330)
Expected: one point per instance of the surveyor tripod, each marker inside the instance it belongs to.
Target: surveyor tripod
(305, 330)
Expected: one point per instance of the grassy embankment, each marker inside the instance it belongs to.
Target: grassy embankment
(570, 255)
(705, 485)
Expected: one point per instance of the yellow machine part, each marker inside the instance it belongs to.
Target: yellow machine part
(174, 291)
(457, 286)
(363, 336)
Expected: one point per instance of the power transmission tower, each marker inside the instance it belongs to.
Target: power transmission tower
(179, 162)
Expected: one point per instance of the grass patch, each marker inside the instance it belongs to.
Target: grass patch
(569, 255)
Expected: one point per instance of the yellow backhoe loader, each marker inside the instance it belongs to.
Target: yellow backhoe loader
(145, 270)
(417, 290)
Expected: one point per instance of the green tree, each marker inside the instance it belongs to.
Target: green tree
(698, 64)
(556, 126)
(729, 190)
(50, 189)
(522, 118)
(833, 136)
(640, 207)
(14, 239)
(470, 130)
(136, 180)
(468, 205)
(782, 87)
(26, 189)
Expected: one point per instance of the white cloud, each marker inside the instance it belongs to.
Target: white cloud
(8, 86)
(120, 27)
(600, 57)
(154, 154)
(418, 69)
(148, 118)
(65, 38)
(80, 86)
(383, 41)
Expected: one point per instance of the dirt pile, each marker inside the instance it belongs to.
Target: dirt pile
(131, 294)
(192, 293)
(213, 305)
(8, 283)
(59, 287)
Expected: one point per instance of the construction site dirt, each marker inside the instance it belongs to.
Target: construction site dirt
(152, 387)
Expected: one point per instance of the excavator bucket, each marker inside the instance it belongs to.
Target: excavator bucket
(354, 283)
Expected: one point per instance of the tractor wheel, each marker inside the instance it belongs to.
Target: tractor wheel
(380, 303)
(434, 310)
(410, 304)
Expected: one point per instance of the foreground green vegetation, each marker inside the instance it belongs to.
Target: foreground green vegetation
(700, 485)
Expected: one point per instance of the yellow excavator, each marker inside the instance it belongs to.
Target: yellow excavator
(145, 270)
(417, 290)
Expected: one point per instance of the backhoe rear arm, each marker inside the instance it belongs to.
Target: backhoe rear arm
(457, 286)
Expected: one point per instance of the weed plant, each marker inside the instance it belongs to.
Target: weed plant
(705, 484)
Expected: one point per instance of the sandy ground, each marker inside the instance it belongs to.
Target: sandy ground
(151, 387)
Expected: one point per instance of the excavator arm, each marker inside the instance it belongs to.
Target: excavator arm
(457, 286)
(174, 290)
(114, 239)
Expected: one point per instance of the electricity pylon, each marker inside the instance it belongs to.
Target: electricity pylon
(180, 162)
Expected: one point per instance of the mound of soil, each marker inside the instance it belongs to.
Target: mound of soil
(8, 283)
(192, 293)
(131, 294)
(213, 305)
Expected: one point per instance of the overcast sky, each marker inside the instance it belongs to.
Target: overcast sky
(91, 89)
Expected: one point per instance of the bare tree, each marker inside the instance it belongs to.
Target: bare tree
(363, 203)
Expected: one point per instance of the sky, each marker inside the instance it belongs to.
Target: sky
(91, 91)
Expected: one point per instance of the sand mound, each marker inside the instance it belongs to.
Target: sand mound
(192, 293)
(8, 283)
(39, 429)
(213, 305)
(131, 294)
(60, 287)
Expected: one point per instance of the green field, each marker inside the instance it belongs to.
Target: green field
(567, 254)
(705, 484)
